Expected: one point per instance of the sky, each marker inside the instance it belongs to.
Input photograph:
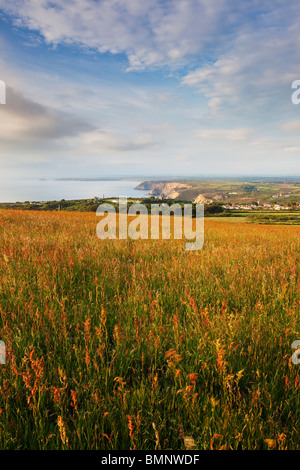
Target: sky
(149, 87)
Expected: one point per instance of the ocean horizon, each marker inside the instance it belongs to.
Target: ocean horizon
(57, 189)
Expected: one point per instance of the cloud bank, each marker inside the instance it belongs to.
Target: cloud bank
(232, 63)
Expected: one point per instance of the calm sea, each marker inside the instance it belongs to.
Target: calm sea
(55, 190)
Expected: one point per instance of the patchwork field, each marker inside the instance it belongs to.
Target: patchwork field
(122, 344)
(231, 190)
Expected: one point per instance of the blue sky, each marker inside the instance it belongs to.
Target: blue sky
(156, 87)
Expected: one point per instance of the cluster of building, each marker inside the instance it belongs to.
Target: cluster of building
(276, 207)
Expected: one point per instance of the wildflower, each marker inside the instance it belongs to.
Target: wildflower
(281, 441)
(173, 357)
(221, 364)
(157, 443)
(87, 328)
(74, 399)
(62, 377)
(155, 381)
(193, 378)
(87, 356)
(214, 402)
(271, 443)
(130, 426)
(189, 442)
(56, 393)
(239, 375)
(62, 431)
(215, 436)
(287, 384)
(119, 380)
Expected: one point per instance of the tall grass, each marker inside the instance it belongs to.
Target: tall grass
(121, 344)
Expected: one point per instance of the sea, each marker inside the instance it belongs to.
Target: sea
(56, 190)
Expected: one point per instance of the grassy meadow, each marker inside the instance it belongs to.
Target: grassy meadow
(122, 344)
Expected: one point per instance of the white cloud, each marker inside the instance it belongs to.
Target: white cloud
(242, 56)
(115, 141)
(292, 149)
(255, 70)
(234, 135)
(247, 51)
(291, 126)
(152, 33)
(25, 121)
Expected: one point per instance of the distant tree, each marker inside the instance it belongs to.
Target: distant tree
(249, 188)
(214, 208)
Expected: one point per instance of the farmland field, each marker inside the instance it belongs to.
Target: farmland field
(122, 344)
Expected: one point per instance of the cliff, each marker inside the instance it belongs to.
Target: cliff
(172, 190)
(163, 189)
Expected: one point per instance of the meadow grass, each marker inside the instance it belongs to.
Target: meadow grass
(122, 344)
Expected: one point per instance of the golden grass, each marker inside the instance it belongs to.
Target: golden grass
(122, 344)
